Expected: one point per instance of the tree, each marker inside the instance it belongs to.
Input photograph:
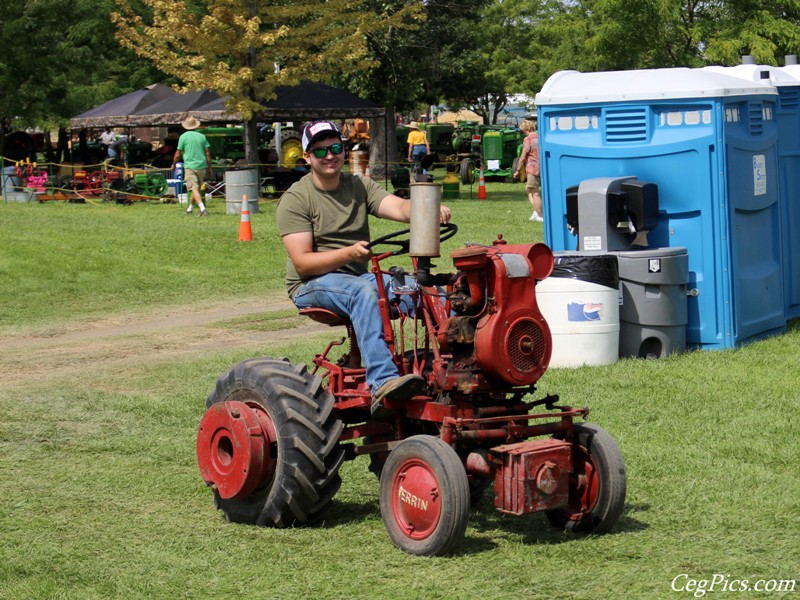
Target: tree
(471, 44)
(60, 58)
(393, 77)
(246, 48)
(766, 29)
(596, 35)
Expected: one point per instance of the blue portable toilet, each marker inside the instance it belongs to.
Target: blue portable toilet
(709, 141)
(790, 152)
(787, 116)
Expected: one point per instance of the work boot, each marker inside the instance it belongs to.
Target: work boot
(400, 388)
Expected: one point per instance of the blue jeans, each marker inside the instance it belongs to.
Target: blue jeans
(418, 152)
(356, 297)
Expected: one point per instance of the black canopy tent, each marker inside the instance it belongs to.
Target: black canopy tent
(162, 107)
(309, 101)
(116, 112)
(174, 109)
(158, 105)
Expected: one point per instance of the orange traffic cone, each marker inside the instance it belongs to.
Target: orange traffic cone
(245, 232)
(481, 186)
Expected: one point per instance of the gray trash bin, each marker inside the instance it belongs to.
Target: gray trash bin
(653, 314)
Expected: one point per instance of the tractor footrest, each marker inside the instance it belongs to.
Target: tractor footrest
(531, 476)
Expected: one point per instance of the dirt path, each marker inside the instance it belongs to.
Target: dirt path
(136, 339)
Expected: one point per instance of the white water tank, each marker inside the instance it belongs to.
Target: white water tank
(580, 302)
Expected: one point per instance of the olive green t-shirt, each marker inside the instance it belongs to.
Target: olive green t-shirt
(336, 219)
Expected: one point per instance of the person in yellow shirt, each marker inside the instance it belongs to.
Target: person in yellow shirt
(418, 147)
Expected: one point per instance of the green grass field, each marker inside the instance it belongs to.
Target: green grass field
(103, 499)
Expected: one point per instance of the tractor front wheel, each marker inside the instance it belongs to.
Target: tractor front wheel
(467, 171)
(597, 484)
(268, 444)
(425, 496)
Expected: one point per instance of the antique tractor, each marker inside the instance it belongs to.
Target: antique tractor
(275, 433)
(495, 148)
(228, 143)
(122, 184)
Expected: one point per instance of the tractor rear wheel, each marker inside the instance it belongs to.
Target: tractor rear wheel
(291, 148)
(597, 484)
(425, 496)
(268, 444)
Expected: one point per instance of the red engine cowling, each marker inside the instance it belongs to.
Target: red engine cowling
(512, 340)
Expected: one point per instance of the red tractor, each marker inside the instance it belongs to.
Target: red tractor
(275, 434)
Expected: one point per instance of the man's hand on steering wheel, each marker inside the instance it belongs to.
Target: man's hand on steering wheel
(402, 238)
(360, 251)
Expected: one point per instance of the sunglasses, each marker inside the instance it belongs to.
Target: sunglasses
(322, 151)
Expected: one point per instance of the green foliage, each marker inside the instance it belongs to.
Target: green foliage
(60, 58)
(597, 35)
(765, 30)
(395, 75)
(473, 43)
(245, 49)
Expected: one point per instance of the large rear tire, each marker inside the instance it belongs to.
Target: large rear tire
(597, 484)
(291, 147)
(294, 411)
(425, 496)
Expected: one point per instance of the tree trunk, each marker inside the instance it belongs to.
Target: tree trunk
(62, 146)
(383, 145)
(251, 142)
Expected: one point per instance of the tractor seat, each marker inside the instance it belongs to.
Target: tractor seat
(325, 316)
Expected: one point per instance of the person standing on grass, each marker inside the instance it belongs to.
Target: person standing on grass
(323, 222)
(418, 147)
(529, 161)
(193, 150)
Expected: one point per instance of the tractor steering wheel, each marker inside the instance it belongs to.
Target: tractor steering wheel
(446, 231)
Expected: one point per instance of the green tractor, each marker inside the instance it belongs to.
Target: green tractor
(440, 139)
(228, 143)
(495, 147)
